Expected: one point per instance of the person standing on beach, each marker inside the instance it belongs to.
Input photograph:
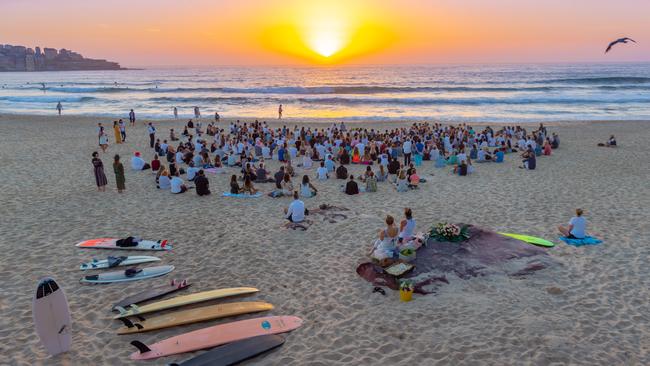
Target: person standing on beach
(100, 132)
(216, 117)
(122, 126)
(118, 168)
(59, 107)
(152, 134)
(98, 169)
(132, 117)
(280, 112)
(116, 131)
(175, 112)
(197, 112)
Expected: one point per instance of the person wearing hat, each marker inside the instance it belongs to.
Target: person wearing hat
(137, 163)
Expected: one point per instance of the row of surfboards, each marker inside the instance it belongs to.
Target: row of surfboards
(234, 341)
(246, 338)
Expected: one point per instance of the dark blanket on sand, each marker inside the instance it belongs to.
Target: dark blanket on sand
(484, 253)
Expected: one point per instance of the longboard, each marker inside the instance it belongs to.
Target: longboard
(111, 262)
(52, 317)
(190, 316)
(530, 240)
(111, 243)
(122, 276)
(183, 300)
(236, 352)
(215, 336)
(152, 294)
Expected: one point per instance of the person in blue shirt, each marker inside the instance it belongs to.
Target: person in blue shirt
(281, 153)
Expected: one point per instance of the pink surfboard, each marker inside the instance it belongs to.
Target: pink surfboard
(52, 317)
(111, 243)
(216, 336)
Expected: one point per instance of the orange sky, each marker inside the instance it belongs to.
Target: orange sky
(263, 32)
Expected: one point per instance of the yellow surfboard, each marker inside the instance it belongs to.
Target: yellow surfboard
(190, 316)
(183, 300)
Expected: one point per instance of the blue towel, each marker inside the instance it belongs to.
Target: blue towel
(242, 195)
(587, 240)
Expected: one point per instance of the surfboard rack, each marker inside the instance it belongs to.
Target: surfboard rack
(143, 348)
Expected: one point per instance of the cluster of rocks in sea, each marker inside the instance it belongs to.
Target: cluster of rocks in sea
(21, 58)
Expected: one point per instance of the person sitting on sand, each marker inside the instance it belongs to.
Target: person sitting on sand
(393, 165)
(287, 185)
(530, 160)
(307, 189)
(234, 186)
(384, 248)
(177, 185)
(577, 226)
(351, 187)
(407, 226)
(296, 211)
(137, 163)
(329, 163)
(402, 184)
(356, 156)
(371, 182)
(547, 147)
(413, 179)
(344, 157)
(248, 187)
(341, 172)
(192, 171)
(164, 181)
(263, 175)
(202, 184)
(322, 173)
(278, 177)
(155, 163)
(307, 163)
(610, 143)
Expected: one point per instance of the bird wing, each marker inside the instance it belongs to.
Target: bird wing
(610, 46)
(630, 39)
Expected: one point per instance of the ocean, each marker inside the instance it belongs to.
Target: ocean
(499, 93)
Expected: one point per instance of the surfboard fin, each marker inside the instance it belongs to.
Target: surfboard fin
(143, 348)
(140, 317)
(127, 322)
(120, 309)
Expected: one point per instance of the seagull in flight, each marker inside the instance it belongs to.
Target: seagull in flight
(620, 40)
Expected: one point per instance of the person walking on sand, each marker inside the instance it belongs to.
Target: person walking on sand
(132, 117)
(152, 134)
(122, 126)
(118, 169)
(59, 107)
(175, 112)
(100, 132)
(103, 142)
(98, 169)
(280, 112)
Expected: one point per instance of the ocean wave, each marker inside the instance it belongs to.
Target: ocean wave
(467, 101)
(46, 99)
(599, 80)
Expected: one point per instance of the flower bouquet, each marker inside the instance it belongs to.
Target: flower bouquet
(406, 289)
(449, 232)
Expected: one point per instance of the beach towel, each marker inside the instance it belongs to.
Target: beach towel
(587, 240)
(242, 195)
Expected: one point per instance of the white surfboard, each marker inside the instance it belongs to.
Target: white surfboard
(124, 276)
(52, 317)
(111, 262)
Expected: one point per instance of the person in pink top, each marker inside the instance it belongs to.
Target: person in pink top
(414, 179)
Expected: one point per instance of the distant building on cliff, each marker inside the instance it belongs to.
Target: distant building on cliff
(20, 58)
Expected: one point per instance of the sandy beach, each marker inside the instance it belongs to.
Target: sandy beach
(591, 309)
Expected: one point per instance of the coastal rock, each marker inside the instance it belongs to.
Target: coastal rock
(20, 58)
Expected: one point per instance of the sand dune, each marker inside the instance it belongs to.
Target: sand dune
(592, 309)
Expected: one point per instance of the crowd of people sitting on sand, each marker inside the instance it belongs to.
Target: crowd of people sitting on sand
(393, 155)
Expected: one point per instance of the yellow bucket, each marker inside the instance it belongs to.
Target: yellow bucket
(405, 295)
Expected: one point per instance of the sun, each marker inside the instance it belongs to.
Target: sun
(325, 44)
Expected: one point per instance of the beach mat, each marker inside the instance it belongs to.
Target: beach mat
(587, 240)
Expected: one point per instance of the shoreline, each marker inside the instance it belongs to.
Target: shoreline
(310, 121)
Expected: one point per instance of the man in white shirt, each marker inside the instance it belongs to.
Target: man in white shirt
(296, 211)
(321, 173)
(177, 185)
(137, 163)
(407, 149)
(152, 134)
